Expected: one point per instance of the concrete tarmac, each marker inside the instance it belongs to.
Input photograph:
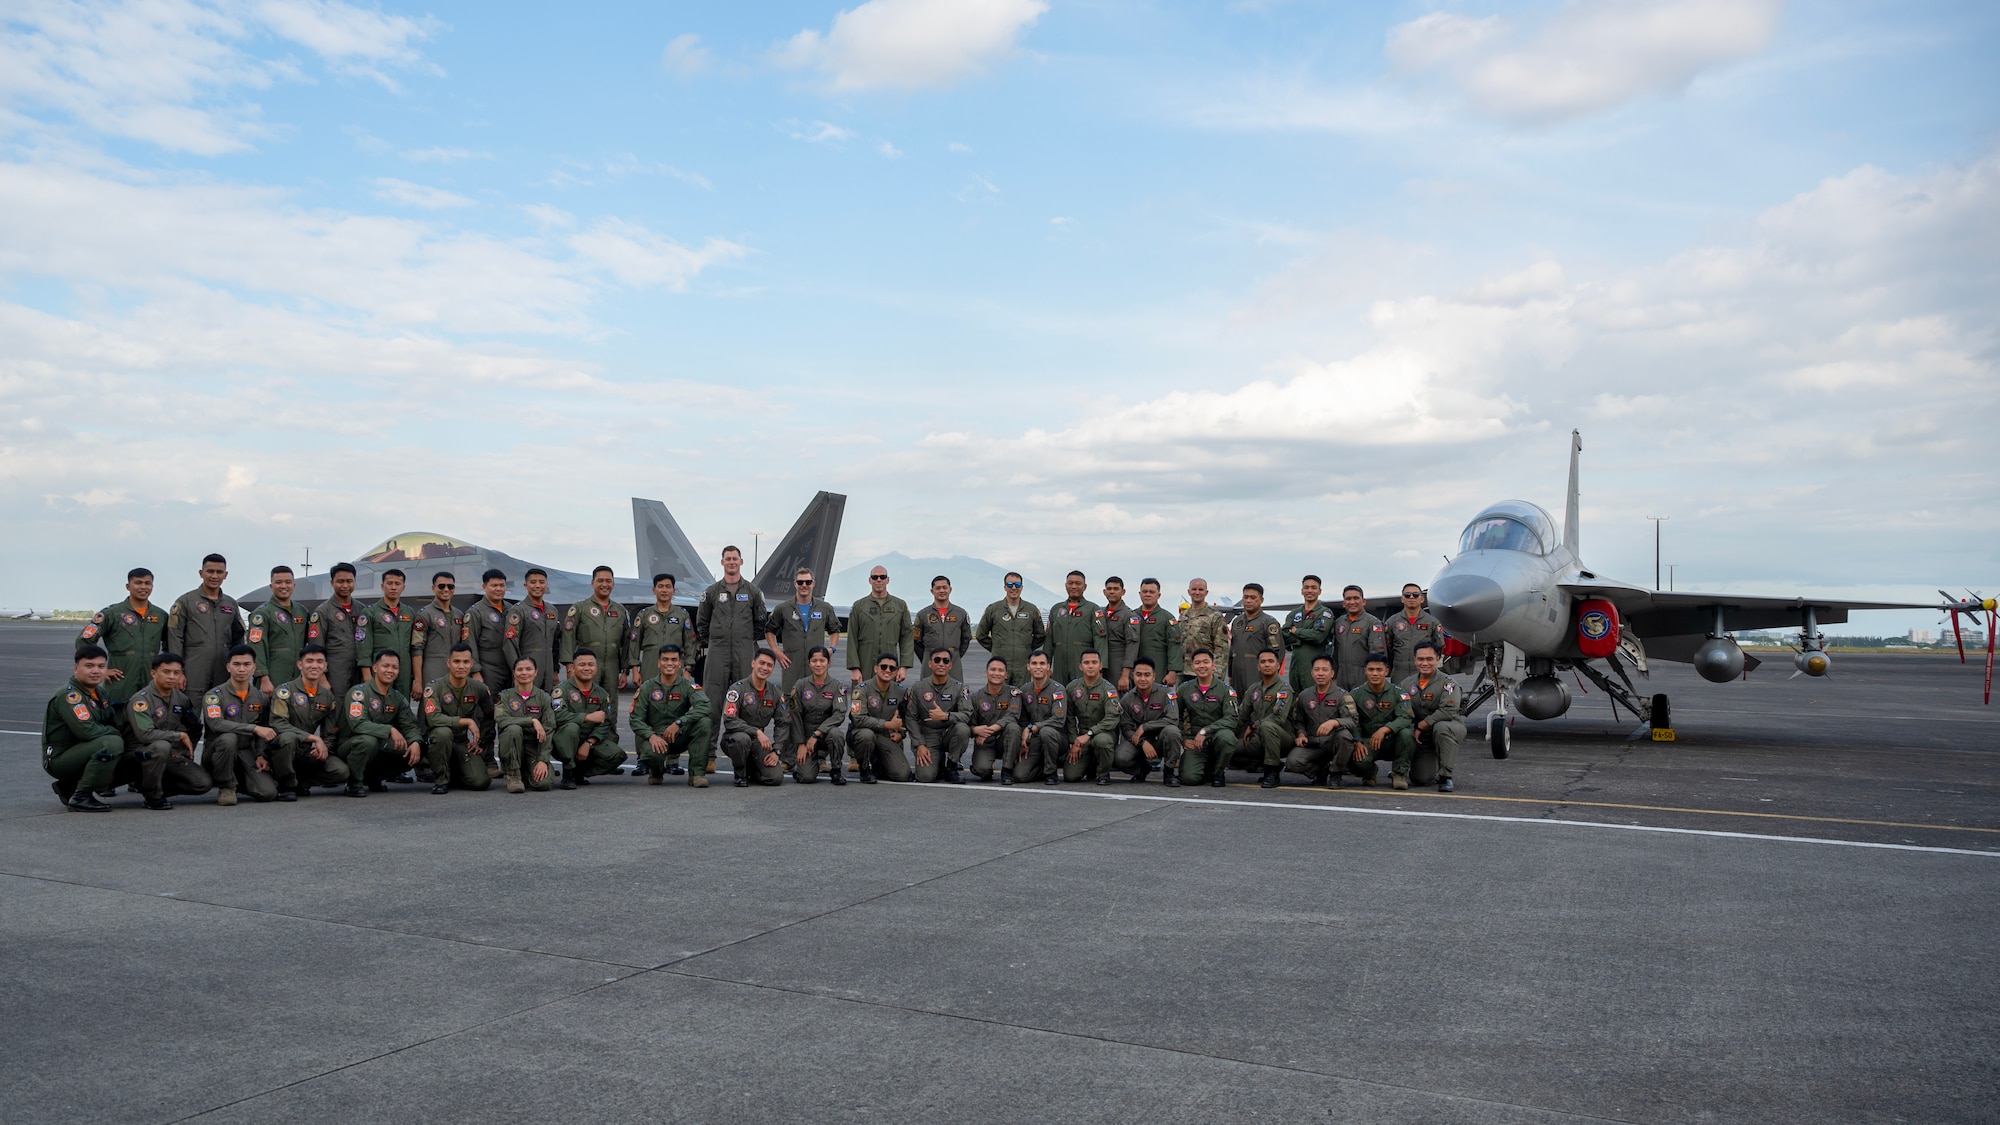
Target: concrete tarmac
(1784, 916)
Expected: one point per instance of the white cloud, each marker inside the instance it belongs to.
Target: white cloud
(1590, 56)
(906, 44)
(417, 195)
(1062, 221)
(819, 132)
(889, 150)
(637, 256)
(547, 215)
(957, 147)
(355, 40)
(441, 155)
(684, 57)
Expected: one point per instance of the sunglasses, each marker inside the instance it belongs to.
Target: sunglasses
(801, 581)
(878, 578)
(940, 660)
(1413, 595)
(1013, 585)
(444, 586)
(887, 667)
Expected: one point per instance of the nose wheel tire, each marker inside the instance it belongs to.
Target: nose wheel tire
(1498, 734)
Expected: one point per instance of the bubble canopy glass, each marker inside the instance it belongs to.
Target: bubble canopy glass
(1511, 525)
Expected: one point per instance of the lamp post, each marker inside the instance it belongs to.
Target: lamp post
(1657, 521)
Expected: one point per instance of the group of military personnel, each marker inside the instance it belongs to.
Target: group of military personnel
(351, 696)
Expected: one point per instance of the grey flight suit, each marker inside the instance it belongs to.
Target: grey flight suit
(532, 629)
(1311, 711)
(332, 626)
(732, 623)
(447, 745)
(1377, 710)
(1092, 712)
(746, 711)
(1306, 633)
(1074, 628)
(814, 708)
(1121, 640)
(1011, 633)
(486, 632)
(231, 747)
(276, 634)
(1263, 714)
(1154, 717)
(1403, 635)
(798, 628)
(203, 630)
(681, 705)
(877, 628)
(433, 630)
(1354, 638)
(1437, 700)
(155, 762)
(132, 638)
(870, 708)
(945, 737)
(386, 628)
(297, 715)
(576, 701)
(365, 723)
(950, 628)
(1210, 714)
(1004, 745)
(1044, 719)
(515, 714)
(1249, 636)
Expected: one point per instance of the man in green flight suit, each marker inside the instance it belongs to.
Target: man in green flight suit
(333, 625)
(1093, 723)
(1435, 720)
(203, 626)
(996, 724)
(750, 723)
(532, 628)
(1384, 711)
(81, 742)
(387, 626)
(1406, 630)
(1153, 637)
(875, 724)
(1149, 728)
(939, 710)
(943, 624)
(239, 743)
(306, 715)
(670, 715)
(1207, 706)
(1324, 723)
(380, 734)
(602, 626)
(1250, 635)
(1357, 635)
(1306, 632)
(277, 632)
(436, 628)
(878, 625)
(1076, 626)
(1264, 715)
(1011, 629)
(458, 724)
(730, 620)
(160, 728)
(132, 632)
(1044, 722)
(486, 632)
(800, 625)
(587, 745)
(1120, 635)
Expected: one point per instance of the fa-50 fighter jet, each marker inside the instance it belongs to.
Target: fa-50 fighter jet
(1521, 600)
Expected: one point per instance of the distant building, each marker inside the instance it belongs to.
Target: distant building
(1920, 636)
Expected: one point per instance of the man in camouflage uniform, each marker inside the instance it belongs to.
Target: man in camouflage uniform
(1201, 626)
(749, 713)
(1148, 728)
(1011, 629)
(1251, 634)
(940, 719)
(1357, 635)
(203, 626)
(486, 632)
(1435, 720)
(458, 725)
(160, 729)
(1207, 706)
(332, 626)
(81, 742)
(1092, 716)
(1406, 630)
(942, 624)
(1121, 636)
(527, 720)
(239, 742)
(995, 730)
(731, 619)
(306, 715)
(387, 626)
(436, 628)
(1306, 632)
(1324, 723)
(1044, 722)
(587, 746)
(814, 723)
(532, 629)
(1264, 715)
(875, 725)
(670, 715)
(380, 733)
(133, 632)
(1153, 633)
(1076, 626)
(801, 625)
(277, 632)
(1384, 711)
(879, 625)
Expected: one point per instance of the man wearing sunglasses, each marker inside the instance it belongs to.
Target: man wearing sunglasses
(436, 628)
(879, 625)
(801, 625)
(875, 726)
(940, 714)
(1011, 629)
(1408, 629)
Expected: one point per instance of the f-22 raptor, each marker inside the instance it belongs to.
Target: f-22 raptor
(1519, 599)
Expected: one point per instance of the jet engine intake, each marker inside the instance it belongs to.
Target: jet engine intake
(1719, 660)
(1541, 697)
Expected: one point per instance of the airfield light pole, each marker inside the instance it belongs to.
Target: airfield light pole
(309, 563)
(1657, 521)
(1670, 578)
(756, 551)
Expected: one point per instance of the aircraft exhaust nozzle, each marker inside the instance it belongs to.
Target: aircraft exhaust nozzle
(1719, 660)
(1467, 603)
(1541, 697)
(1813, 663)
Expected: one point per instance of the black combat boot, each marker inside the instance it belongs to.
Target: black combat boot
(1270, 779)
(1006, 776)
(1218, 776)
(1170, 777)
(83, 800)
(1104, 778)
(158, 804)
(867, 775)
(952, 775)
(438, 789)
(839, 774)
(356, 789)
(1051, 777)
(568, 780)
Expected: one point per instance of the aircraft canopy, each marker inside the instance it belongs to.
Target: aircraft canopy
(1511, 525)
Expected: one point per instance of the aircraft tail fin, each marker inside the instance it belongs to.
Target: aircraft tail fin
(1572, 522)
(664, 548)
(809, 544)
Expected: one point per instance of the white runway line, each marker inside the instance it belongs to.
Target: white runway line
(1709, 832)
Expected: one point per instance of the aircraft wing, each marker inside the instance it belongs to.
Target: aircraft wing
(1660, 613)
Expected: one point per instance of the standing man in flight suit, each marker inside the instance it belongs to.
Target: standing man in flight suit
(332, 627)
(1406, 630)
(1324, 723)
(1153, 630)
(1252, 633)
(306, 715)
(879, 624)
(940, 718)
(1201, 626)
(81, 743)
(486, 632)
(1075, 626)
(1306, 632)
(1121, 636)
(159, 739)
(380, 734)
(387, 626)
(277, 632)
(532, 629)
(132, 632)
(1093, 724)
(801, 625)
(670, 715)
(239, 742)
(663, 624)
(1384, 710)
(814, 721)
(1011, 629)
(1357, 635)
(601, 625)
(1264, 715)
(587, 746)
(203, 626)
(458, 725)
(943, 625)
(1148, 728)
(875, 726)
(731, 619)
(1207, 706)
(1434, 713)
(435, 629)
(749, 716)
(1044, 721)
(996, 724)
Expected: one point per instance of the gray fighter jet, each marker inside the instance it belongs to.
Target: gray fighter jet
(1521, 601)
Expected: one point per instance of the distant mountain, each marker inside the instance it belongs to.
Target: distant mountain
(975, 583)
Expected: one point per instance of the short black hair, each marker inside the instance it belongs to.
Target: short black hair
(341, 568)
(534, 570)
(1012, 574)
(160, 659)
(91, 652)
(462, 647)
(389, 653)
(311, 647)
(665, 649)
(665, 577)
(394, 572)
(891, 658)
(1272, 651)
(1356, 589)
(1076, 574)
(445, 574)
(1326, 657)
(942, 649)
(528, 659)
(941, 578)
(492, 573)
(280, 569)
(242, 650)
(1377, 658)
(592, 653)
(212, 557)
(1422, 645)
(1090, 652)
(596, 570)
(762, 654)
(1147, 661)
(1145, 582)
(1000, 660)
(1257, 586)
(1115, 578)
(137, 572)
(1311, 578)
(1202, 651)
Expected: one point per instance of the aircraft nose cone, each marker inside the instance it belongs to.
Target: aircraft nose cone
(1467, 603)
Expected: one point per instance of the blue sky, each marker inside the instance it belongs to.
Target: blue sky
(1240, 289)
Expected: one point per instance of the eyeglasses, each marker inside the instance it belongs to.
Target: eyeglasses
(1013, 585)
